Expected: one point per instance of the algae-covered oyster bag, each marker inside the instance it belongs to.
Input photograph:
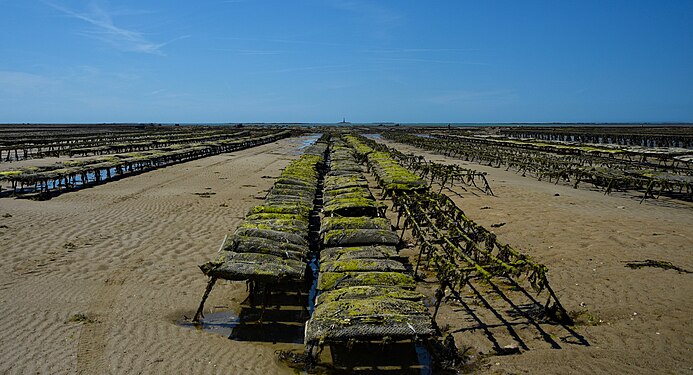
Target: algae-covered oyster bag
(333, 280)
(365, 292)
(365, 319)
(347, 237)
(361, 222)
(273, 235)
(356, 252)
(362, 265)
(358, 206)
(258, 267)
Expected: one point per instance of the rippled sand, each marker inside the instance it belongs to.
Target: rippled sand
(125, 255)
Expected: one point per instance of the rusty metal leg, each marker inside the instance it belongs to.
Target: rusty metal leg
(210, 285)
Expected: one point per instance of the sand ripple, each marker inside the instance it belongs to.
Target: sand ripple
(125, 255)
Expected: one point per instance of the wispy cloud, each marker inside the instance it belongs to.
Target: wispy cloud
(105, 29)
(305, 69)
(257, 52)
(415, 60)
(156, 92)
(464, 96)
(22, 82)
(377, 19)
(291, 41)
(248, 52)
(419, 50)
(369, 11)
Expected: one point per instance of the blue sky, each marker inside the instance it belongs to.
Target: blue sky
(320, 60)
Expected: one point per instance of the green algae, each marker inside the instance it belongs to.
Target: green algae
(358, 222)
(355, 195)
(340, 182)
(362, 265)
(333, 280)
(10, 173)
(350, 237)
(356, 252)
(259, 267)
(307, 193)
(274, 235)
(296, 182)
(347, 190)
(369, 292)
(294, 209)
(275, 226)
(345, 204)
(352, 308)
(369, 318)
(276, 216)
(265, 246)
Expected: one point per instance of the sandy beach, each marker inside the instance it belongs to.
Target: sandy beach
(125, 254)
(639, 318)
(203, 187)
(93, 281)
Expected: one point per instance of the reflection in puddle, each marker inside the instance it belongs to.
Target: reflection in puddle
(281, 320)
(309, 140)
(221, 323)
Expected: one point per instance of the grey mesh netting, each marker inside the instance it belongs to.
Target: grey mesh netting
(333, 280)
(362, 265)
(368, 319)
(363, 292)
(356, 252)
(265, 246)
(259, 267)
(347, 237)
(273, 235)
(334, 223)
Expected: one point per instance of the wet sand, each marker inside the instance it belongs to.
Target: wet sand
(125, 255)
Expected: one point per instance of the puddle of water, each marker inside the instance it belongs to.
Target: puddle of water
(309, 140)
(313, 292)
(425, 359)
(220, 323)
(78, 182)
(375, 136)
(252, 324)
